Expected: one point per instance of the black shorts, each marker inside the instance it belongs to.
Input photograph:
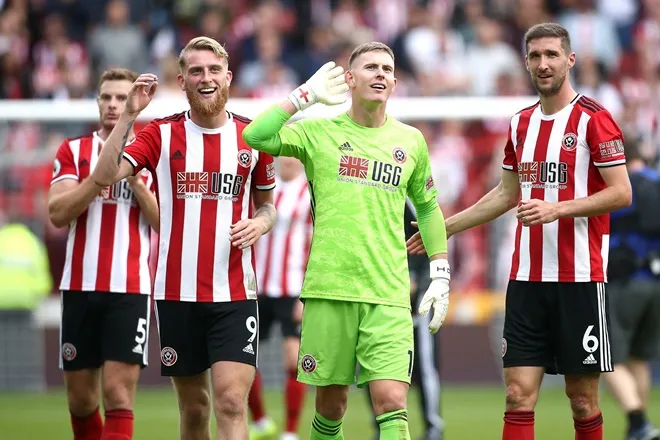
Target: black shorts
(280, 310)
(635, 316)
(563, 327)
(194, 336)
(102, 326)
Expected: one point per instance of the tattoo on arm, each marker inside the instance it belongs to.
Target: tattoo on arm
(123, 143)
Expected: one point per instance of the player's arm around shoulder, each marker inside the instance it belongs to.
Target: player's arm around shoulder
(268, 132)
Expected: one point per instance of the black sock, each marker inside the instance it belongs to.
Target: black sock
(636, 419)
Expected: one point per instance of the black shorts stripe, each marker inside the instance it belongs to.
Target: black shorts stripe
(605, 351)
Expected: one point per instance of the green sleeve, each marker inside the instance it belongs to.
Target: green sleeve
(268, 133)
(423, 194)
(431, 225)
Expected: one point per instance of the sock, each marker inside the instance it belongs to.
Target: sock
(324, 429)
(87, 428)
(256, 400)
(118, 425)
(589, 429)
(636, 419)
(393, 425)
(518, 425)
(294, 393)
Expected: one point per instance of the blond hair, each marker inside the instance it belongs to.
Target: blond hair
(549, 30)
(117, 74)
(372, 46)
(203, 43)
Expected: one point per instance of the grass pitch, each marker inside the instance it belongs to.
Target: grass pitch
(471, 413)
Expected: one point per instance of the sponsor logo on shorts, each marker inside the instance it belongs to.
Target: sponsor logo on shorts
(308, 363)
(168, 356)
(590, 360)
(503, 346)
(69, 351)
(248, 349)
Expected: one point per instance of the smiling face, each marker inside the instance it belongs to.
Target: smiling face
(371, 76)
(205, 78)
(548, 64)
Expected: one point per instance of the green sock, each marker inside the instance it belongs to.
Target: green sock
(324, 429)
(394, 425)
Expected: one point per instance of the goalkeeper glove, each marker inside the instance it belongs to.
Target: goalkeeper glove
(327, 86)
(437, 295)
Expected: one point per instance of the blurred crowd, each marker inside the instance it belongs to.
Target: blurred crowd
(56, 49)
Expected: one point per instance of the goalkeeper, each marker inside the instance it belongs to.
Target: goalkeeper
(361, 165)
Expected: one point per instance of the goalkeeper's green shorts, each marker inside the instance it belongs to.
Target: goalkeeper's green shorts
(338, 335)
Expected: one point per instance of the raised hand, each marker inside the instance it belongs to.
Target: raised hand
(141, 93)
(327, 86)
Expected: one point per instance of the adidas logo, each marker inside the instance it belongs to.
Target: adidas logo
(345, 147)
(590, 360)
(177, 155)
(248, 348)
(83, 163)
(138, 349)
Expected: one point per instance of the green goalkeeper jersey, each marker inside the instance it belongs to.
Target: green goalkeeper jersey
(359, 179)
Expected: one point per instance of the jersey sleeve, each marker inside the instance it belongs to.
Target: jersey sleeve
(510, 161)
(296, 141)
(421, 187)
(144, 151)
(605, 140)
(263, 175)
(64, 165)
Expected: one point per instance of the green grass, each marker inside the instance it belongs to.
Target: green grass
(470, 413)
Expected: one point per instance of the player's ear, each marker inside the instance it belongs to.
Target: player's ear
(350, 79)
(571, 60)
(182, 83)
(229, 77)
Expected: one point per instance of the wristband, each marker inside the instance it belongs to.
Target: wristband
(440, 269)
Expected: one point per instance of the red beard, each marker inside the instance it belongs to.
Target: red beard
(208, 108)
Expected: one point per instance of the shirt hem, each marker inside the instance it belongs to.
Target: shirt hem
(91, 289)
(337, 297)
(558, 280)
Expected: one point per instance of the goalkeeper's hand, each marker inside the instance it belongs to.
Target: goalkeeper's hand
(437, 295)
(327, 86)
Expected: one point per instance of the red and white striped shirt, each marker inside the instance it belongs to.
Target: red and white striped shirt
(204, 179)
(282, 254)
(109, 243)
(557, 158)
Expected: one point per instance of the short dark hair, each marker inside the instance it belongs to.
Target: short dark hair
(549, 30)
(118, 74)
(372, 46)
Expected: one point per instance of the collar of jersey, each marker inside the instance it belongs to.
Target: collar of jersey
(388, 121)
(191, 125)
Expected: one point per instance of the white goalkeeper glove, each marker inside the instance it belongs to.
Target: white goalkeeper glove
(437, 295)
(327, 86)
